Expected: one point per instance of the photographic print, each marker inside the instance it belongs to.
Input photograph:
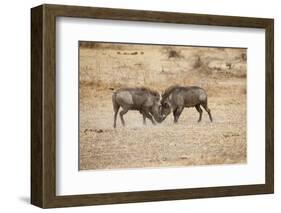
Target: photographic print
(149, 106)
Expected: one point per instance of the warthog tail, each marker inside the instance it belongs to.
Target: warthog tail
(114, 102)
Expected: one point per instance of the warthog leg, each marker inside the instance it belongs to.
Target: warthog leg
(177, 112)
(174, 113)
(147, 115)
(205, 106)
(198, 108)
(123, 112)
(116, 108)
(144, 119)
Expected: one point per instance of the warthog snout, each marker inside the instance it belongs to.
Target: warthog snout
(165, 108)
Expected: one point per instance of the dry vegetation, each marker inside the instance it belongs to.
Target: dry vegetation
(106, 67)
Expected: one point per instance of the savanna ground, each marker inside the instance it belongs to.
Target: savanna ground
(105, 67)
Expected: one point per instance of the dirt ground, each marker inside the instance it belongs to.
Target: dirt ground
(105, 68)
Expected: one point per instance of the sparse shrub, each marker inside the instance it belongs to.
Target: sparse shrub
(140, 65)
(228, 65)
(244, 56)
(174, 54)
(198, 62)
(243, 75)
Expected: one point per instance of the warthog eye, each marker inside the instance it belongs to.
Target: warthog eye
(166, 105)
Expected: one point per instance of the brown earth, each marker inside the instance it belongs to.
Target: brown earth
(106, 67)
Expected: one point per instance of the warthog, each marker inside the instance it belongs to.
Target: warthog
(176, 98)
(146, 101)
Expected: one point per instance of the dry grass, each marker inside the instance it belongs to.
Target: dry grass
(103, 69)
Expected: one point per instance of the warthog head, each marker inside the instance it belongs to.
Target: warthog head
(166, 102)
(156, 111)
(166, 108)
